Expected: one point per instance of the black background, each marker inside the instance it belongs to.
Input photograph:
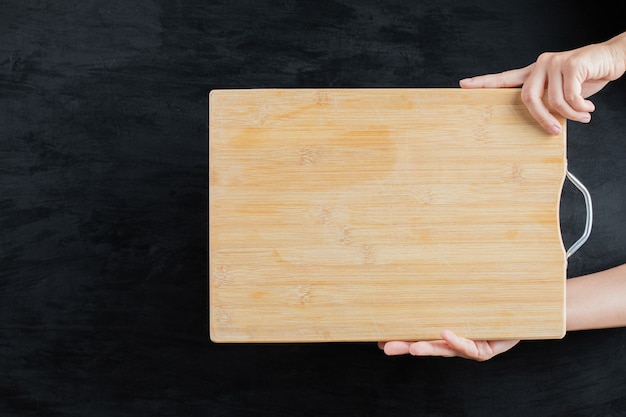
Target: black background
(103, 205)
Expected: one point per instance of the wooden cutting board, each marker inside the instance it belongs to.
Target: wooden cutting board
(383, 214)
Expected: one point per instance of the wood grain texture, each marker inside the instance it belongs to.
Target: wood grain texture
(104, 215)
(382, 214)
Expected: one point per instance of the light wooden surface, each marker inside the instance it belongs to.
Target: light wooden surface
(382, 214)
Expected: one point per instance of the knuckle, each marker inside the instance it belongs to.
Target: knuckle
(545, 57)
(572, 98)
(557, 103)
(571, 63)
(527, 97)
(543, 121)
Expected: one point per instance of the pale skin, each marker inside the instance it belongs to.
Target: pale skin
(563, 81)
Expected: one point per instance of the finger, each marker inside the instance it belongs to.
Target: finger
(511, 78)
(573, 92)
(532, 96)
(396, 348)
(465, 347)
(481, 350)
(590, 87)
(558, 100)
(381, 345)
(433, 348)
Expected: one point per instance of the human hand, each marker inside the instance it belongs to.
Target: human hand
(450, 345)
(567, 77)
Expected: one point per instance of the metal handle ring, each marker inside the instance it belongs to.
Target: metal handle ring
(589, 221)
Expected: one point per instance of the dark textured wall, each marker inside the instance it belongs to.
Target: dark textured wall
(103, 205)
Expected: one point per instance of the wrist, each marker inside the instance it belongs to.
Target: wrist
(617, 46)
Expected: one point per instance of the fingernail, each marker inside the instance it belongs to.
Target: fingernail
(586, 119)
(555, 129)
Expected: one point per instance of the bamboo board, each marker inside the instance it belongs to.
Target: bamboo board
(382, 214)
